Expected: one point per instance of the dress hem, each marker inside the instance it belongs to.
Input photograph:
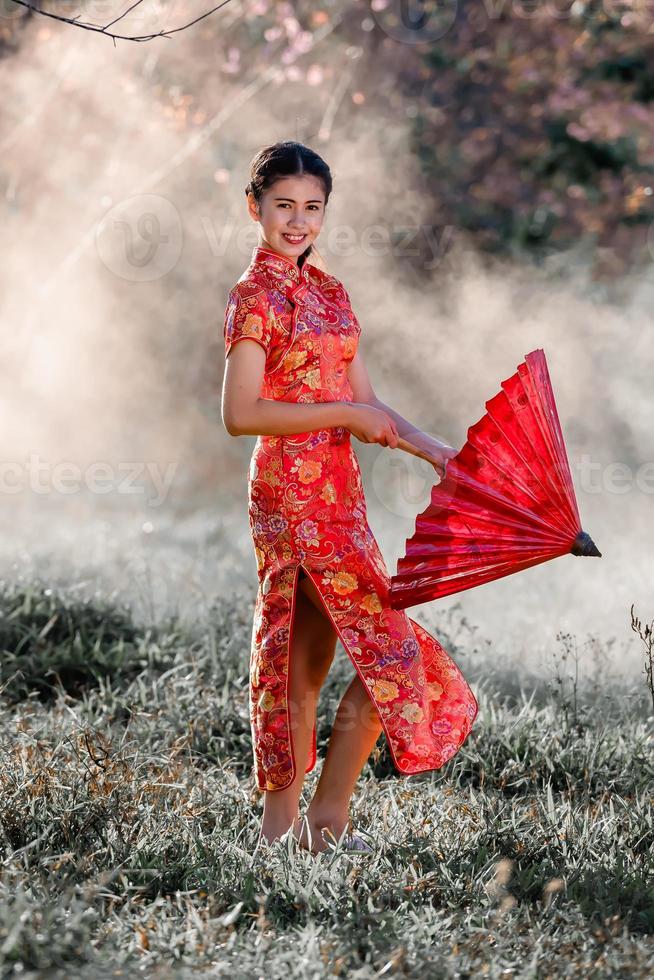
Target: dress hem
(400, 770)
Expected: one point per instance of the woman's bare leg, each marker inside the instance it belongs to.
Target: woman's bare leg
(312, 651)
(356, 728)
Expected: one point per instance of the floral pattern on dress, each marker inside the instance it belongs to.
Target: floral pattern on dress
(307, 509)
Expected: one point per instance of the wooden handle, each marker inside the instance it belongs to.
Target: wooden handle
(409, 448)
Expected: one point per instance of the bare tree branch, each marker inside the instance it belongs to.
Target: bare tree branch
(99, 29)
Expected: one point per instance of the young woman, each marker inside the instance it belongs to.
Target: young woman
(301, 387)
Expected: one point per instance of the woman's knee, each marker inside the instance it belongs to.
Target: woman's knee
(318, 663)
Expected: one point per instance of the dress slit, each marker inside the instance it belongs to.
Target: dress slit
(313, 750)
(423, 732)
(313, 753)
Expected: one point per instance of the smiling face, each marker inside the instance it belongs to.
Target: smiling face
(291, 214)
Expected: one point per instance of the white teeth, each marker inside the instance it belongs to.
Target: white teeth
(295, 238)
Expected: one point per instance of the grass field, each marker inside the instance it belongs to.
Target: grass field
(129, 818)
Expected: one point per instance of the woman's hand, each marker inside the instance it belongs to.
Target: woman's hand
(371, 424)
(441, 456)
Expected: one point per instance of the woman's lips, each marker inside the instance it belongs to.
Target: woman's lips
(294, 239)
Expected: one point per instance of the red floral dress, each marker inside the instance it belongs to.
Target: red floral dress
(307, 509)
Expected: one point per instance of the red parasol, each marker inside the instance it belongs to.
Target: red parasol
(506, 501)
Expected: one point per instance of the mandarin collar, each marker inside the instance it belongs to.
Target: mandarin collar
(279, 266)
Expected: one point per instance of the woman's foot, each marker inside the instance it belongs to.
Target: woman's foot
(322, 833)
(319, 828)
(272, 832)
(315, 834)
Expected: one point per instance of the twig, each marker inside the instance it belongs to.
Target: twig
(99, 29)
(646, 633)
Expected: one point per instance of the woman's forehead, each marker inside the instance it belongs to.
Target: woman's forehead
(304, 187)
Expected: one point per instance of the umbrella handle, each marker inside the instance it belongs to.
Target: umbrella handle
(409, 448)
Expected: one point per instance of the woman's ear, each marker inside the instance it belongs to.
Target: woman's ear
(253, 207)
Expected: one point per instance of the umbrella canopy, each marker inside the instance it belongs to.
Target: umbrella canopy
(506, 501)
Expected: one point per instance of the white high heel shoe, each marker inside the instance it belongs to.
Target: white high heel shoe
(352, 842)
(348, 841)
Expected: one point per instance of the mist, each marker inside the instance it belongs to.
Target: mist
(124, 211)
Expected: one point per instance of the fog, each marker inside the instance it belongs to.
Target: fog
(122, 204)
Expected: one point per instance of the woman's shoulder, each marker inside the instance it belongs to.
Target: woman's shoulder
(329, 284)
(336, 295)
(251, 289)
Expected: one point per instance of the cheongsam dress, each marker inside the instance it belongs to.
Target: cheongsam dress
(307, 509)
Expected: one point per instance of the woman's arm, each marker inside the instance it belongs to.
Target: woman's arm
(362, 391)
(246, 413)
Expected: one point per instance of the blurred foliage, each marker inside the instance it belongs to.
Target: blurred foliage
(535, 131)
(532, 122)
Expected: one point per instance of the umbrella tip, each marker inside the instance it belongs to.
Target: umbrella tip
(584, 545)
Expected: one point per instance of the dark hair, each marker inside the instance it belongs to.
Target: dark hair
(287, 159)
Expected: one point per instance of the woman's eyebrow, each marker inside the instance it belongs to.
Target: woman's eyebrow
(313, 200)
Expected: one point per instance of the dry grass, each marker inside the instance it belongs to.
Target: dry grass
(128, 821)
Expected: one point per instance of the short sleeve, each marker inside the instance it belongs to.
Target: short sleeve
(248, 315)
(354, 322)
